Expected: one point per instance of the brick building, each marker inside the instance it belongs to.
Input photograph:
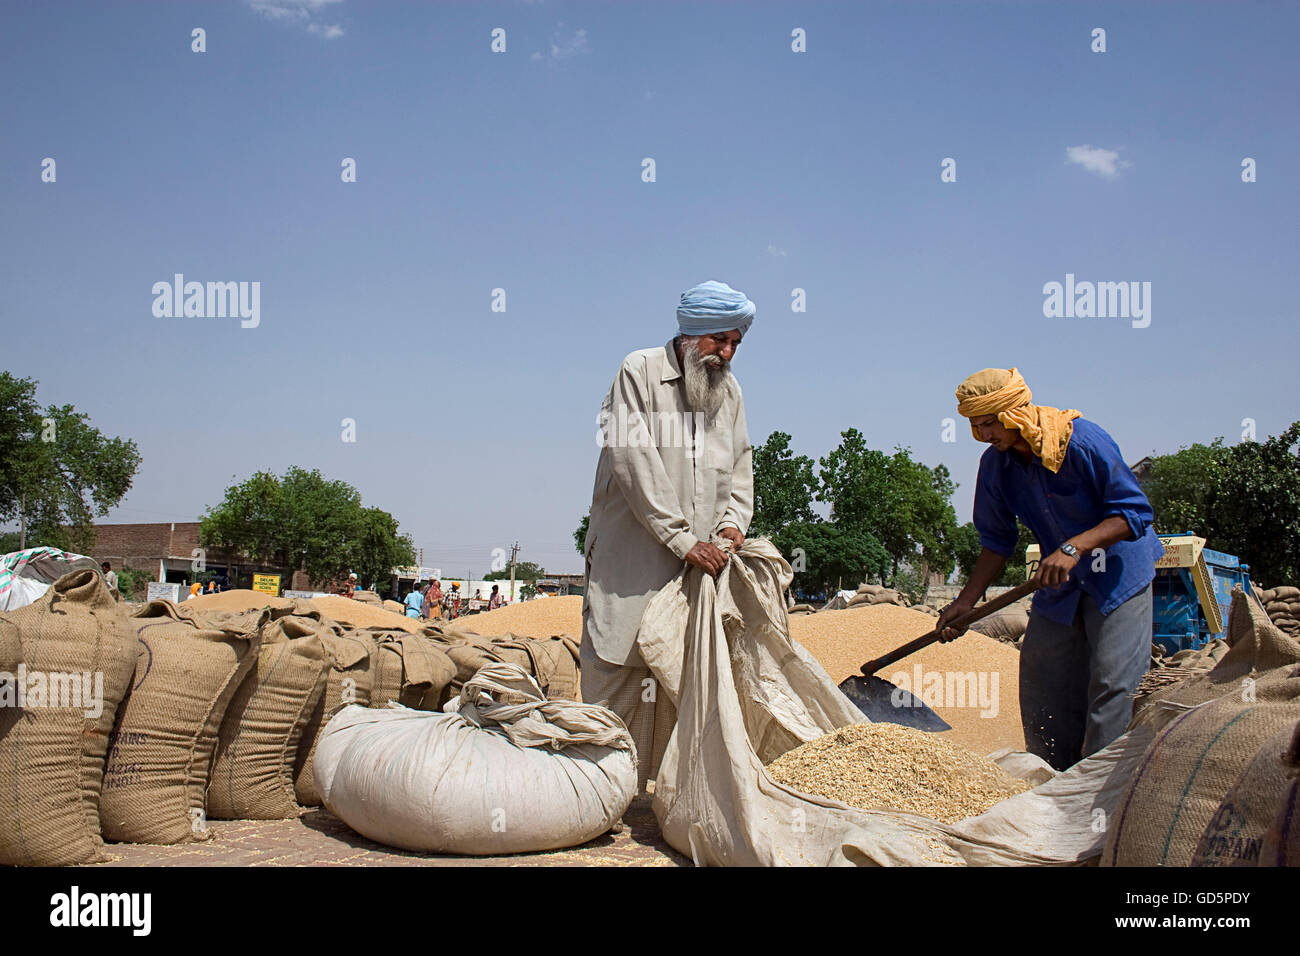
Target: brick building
(167, 551)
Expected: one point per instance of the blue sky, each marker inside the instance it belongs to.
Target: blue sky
(522, 170)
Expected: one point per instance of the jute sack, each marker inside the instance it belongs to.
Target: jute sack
(252, 775)
(368, 597)
(1255, 647)
(349, 682)
(1286, 592)
(1235, 834)
(552, 662)
(408, 669)
(1282, 839)
(161, 750)
(503, 770)
(78, 652)
(871, 589)
(1009, 624)
(397, 607)
(1191, 764)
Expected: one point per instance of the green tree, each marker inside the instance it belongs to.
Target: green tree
(524, 571)
(783, 486)
(1180, 486)
(966, 549)
(580, 535)
(57, 471)
(903, 503)
(303, 520)
(1015, 571)
(824, 554)
(1243, 499)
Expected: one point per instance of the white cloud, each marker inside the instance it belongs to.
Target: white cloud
(564, 45)
(775, 251)
(300, 12)
(1103, 162)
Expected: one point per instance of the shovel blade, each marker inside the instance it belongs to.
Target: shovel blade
(881, 701)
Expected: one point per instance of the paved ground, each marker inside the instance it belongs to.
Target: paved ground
(318, 838)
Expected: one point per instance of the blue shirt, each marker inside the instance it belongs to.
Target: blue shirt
(1093, 484)
(415, 600)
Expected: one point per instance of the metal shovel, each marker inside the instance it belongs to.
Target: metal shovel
(880, 700)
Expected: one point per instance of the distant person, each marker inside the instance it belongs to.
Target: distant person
(211, 588)
(453, 601)
(350, 590)
(432, 600)
(110, 576)
(414, 602)
(196, 589)
(494, 599)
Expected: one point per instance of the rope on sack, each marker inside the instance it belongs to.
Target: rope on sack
(506, 695)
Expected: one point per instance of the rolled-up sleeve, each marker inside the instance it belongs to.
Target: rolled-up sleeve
(1118, 487)
(994, 519)
(740, 507)
(639, 470)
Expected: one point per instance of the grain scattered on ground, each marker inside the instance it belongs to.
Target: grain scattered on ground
(842, 641)
(888, 767)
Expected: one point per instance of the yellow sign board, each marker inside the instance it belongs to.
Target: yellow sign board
(267, 584)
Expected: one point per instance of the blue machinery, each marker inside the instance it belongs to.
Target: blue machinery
(1191, 593)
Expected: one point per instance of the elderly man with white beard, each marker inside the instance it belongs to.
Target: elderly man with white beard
(675, 471)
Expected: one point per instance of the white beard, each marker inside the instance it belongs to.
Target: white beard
(706, 380)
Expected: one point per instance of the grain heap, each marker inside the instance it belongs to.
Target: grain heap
(544, 617)
(333, 606)
(888, 767)
(842, 641)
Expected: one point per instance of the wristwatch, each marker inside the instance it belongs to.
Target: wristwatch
(1069, 549)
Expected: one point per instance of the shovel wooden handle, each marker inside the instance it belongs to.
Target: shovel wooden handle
(961, 623)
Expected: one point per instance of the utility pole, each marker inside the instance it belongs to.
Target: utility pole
(514, 550)
(22, 534)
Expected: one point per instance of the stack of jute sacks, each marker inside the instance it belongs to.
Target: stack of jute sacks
(1283, 607)
(879, 594)
(142, 727)
(1217, 785)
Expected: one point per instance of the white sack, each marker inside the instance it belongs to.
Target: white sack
(504, 771)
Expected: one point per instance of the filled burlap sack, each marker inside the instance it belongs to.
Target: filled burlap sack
(368, 597)
(552, 662)
(349, 682)
(253, 773)
(871, 588)
(1281, 845)
(77, 652)
(1234, 836)
(1008, 624)
(161, 752)
(410, 669)
(397, 607)
(1256, 647)
(1190, 767)
(1286, 593)
(860, 599)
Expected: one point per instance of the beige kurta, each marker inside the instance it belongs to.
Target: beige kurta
(666, 479)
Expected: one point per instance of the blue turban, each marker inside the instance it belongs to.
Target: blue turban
(714, 307)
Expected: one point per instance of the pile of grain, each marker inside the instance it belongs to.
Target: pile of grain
(843, 640)
(888, 767)
(333, 606)
(543, 617)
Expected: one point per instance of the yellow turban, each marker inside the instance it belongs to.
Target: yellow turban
(1002, 392)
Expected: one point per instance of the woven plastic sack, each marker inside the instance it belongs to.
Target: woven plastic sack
(503, 770)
